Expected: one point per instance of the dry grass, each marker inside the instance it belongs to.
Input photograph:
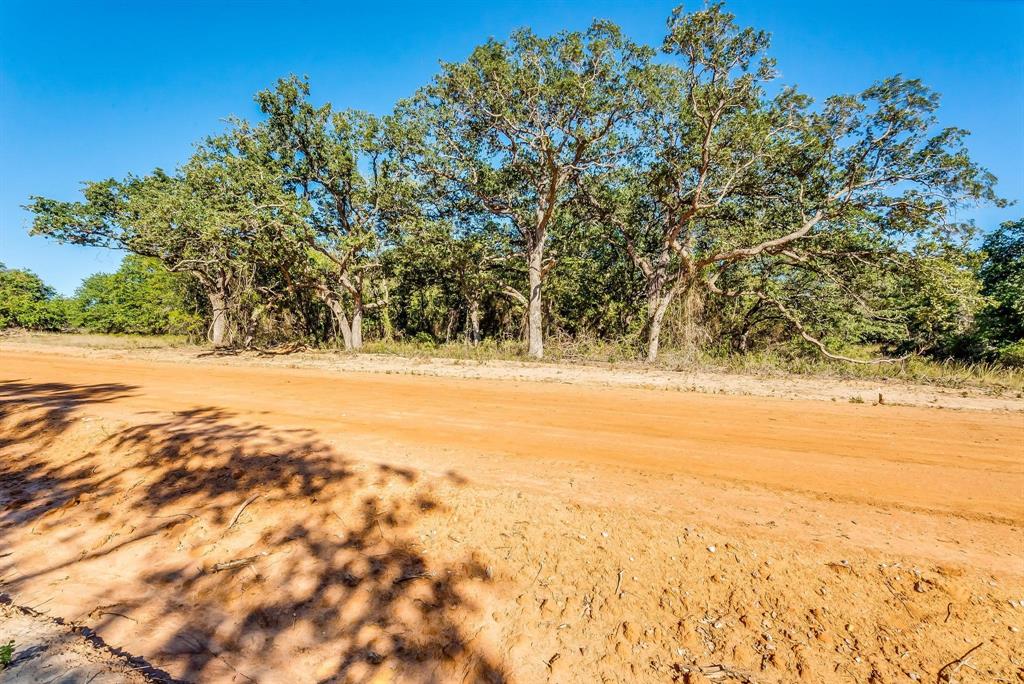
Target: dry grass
(920, 370)
(99, 341)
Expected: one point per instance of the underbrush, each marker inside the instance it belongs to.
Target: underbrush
(916, 369)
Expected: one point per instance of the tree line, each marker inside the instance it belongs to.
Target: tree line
(140, 298)
(580, 185)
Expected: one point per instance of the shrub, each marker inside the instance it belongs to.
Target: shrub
(27, 302)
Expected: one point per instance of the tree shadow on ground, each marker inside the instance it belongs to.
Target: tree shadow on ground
(37, 414)
(41, 411)
(246, 552)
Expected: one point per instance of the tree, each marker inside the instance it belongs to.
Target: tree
(573, 186)
(27, 302)
(707, 130)
(863, 195)
(344, 165)
(449, 277)
(787, 203)
(515, 126)
(223, 218)
(1002, 278)
(140, 298)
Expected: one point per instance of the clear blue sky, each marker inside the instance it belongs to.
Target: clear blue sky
(91, 90)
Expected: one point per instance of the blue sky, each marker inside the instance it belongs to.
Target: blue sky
(94, 90)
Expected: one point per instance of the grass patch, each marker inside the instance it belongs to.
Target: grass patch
(918, 370)
(555, 351)
(98, 341)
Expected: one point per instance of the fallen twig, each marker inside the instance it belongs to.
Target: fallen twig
(717, 673)
(237, 563)
(241, 508)
(618, 583)
(120, 615)
(896, 594)
(37, 606)
(535, 577)
(206, 649)
(941, 676)
(281, 350)
(588, 606)
(173, 515)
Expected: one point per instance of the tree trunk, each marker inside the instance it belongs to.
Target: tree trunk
(474, 322)
(219, 324)
(657, 305)
(250, 327)
(658, 302)
(535, 310)
(340, 320)
(351, 331)
(654, 328)
(453, 318)
(693, 307)
(385, 311)
(357, 323)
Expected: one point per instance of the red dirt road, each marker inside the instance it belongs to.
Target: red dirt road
(968, 464)
(406, 528)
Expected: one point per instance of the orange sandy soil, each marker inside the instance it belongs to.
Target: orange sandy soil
(435, 529)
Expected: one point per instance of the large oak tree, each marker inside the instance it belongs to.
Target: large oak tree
(769, 193)
(223, 217)
(520, 122)
(343, 163)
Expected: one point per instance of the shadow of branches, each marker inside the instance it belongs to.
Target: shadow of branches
(244, 552)
(41, 411)
(36, 414)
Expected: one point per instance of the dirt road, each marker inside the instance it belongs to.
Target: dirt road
(816, 483)
(965, 463)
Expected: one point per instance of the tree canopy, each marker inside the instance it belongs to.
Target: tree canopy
(581, 186)
(27, 302)
(510, 132)
(141, 298)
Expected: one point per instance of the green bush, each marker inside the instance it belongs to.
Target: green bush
(141, 298)
(27, 302)
(1012, 355)
(1002, 277)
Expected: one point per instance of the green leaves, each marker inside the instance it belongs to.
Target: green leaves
(1002, 278)
(223, 217)
(513, 126)
(512, 130)
(718, 54)
(27, 302)
(633, 187)
(141, 298)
